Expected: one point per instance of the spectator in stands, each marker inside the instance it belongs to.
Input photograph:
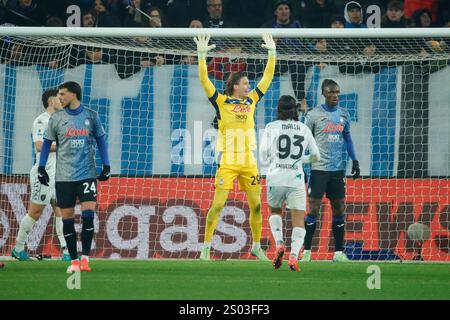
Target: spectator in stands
(215, 17)
(157, 19)
(318, 14)
(297, 69)
(393, 18)
(24, 13)
(282, 17)
(181, 12)
(337, 21)
(297, 8)
(88, 19)
(134, 13)
(191, 59)
(411, 6)
(105, 18)
(366, 7)
(353, 15)
(422, 18)
(195, 24)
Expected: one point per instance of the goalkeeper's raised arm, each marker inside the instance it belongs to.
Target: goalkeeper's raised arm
(269, 71)
(203, 48)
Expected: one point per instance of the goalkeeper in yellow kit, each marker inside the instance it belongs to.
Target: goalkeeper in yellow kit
(236, 141)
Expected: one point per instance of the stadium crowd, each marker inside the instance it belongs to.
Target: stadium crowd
(227, 13)
(223, 14)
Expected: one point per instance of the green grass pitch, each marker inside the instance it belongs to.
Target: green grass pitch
(234, 280)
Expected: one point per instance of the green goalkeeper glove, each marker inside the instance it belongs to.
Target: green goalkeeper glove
(202, 45)
(269, 44)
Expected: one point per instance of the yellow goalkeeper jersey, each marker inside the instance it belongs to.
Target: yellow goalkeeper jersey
(236, 117)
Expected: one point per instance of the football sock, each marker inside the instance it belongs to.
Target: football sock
(59, 232)
(255, 219)
(220, 197)
(256, 246)
(25, 227)
(298, 234)
(310, 226)
(87, 231)
(338, 232)
(71, 237)
(207, 244)
(276, 226)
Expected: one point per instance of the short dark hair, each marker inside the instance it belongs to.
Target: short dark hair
(73, 87)
(328, 83)
(395, 5)
(288, 108)
(233, 79)
(47, 94)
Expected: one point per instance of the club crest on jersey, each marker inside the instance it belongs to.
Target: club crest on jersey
(72, 132)
(238, 108)
(86, 122)
(331, 127)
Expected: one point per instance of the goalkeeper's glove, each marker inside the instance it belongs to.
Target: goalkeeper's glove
(105, 174)
(269, 44)
(355, 169)
(43, 176)
(202, 45)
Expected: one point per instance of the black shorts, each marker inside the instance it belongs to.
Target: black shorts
(67, 192)
(330, 182)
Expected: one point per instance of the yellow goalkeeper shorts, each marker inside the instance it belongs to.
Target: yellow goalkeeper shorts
(246, 173)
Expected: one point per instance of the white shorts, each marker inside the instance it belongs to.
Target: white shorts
(295, 198)
(41, 194)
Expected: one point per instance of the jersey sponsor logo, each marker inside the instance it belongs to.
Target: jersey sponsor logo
(241, 117)
(72, 132)
(238, 108)
(77, 143)
(331, 127)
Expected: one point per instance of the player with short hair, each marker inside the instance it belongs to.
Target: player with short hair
(74, 129)
(41, 195)
(283, 145)
(330, 126)
(236, 142)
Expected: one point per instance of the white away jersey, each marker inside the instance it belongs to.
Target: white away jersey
(40, 125)
(283, 145)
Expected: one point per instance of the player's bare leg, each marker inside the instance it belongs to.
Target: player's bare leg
(310, 226)
(59, 231)
(220, 197)
(298, 234)
(276, 226)
(26, 225)
(338, 226)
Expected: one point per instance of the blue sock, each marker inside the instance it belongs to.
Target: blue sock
(71, 237)
(310, 227)
(87, 231)
(338, 232)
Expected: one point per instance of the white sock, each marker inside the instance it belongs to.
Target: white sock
(276, 226)
(85, 257)
(25, 227)
(256, 246)
(207, 245)
(298, 234)
(59, 232)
